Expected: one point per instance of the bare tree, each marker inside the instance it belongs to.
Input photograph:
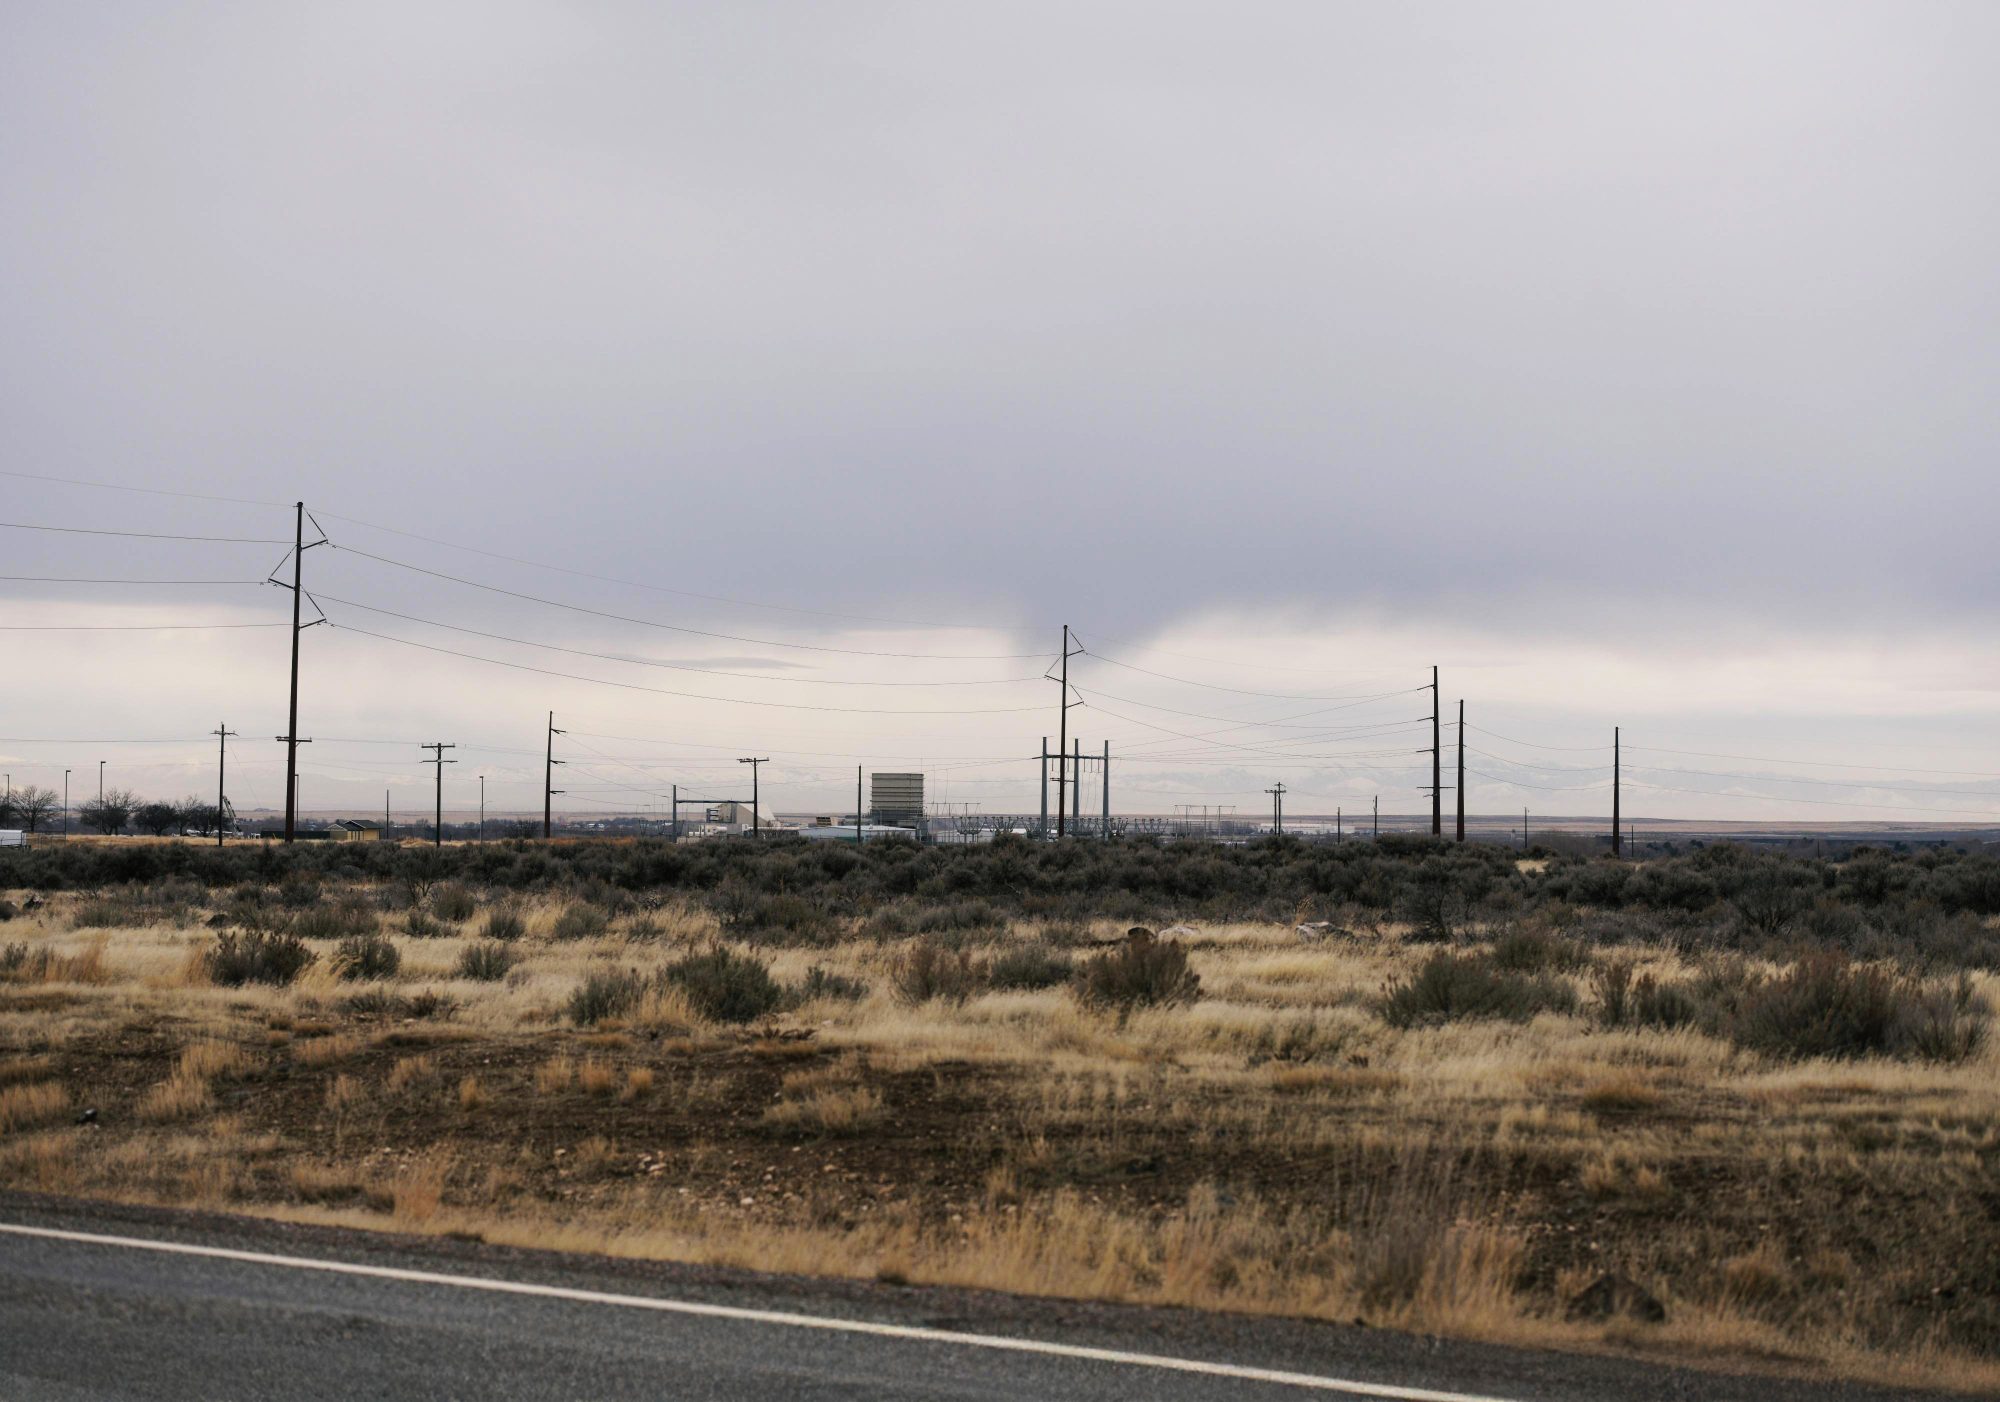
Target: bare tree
(33, 806)
(156, 818)
(110, 813)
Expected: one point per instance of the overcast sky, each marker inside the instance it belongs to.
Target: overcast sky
(1635, 364)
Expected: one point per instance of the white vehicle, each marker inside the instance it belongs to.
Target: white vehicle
(13, 837)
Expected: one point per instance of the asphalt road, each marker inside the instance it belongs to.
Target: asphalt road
(92, 1306)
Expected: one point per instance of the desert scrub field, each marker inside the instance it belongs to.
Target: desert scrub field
(1760, 1094)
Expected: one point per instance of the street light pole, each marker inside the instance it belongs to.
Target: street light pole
(65, 805)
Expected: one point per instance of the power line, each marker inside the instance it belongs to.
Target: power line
(1237, 690)
(688, 695)
(1821, 802)
(144, 535)
(75, 579)
(662, 589)
(148, 491)
(696, 632)
(649, 662)
(126, 627)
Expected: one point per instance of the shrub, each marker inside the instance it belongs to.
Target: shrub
(725, 986)
(1453, 986)
(1537, 952)
(345, 919)
(419, 926)
(505, 925)
(1821, 1006)
(929, 969)
(1142, 972)
(452, 901)
(1948, 1024)
(487, 961)
(602, 995)
(1031, 966)
(1826, 1006)
(369, 956)
(257, 956)
(824, 983)
(581, 921)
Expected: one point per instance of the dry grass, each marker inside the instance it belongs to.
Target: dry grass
(324, 1051)
(1272, 1147)
(27, 1106)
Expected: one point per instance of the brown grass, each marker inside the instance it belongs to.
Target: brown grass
(1273, 1146)
(24, 1107)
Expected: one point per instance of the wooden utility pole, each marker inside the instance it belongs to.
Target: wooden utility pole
(1461, 770)
(1277, 793)
(1378, 817)
(1617, 841)
(858, 834)
(1437, 769)
(437, 832)
(222, 732)
(756, 809)
(1065, 775)
(291, 735)
(1043, 831)
(549, 790)
(1107, 790)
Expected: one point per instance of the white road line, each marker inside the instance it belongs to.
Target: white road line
(754, 1316)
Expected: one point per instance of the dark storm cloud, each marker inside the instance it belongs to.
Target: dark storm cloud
(996, 310)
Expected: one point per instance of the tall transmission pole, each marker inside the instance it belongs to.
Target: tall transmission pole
(1107, 790)
(1378, 817)
(1437, 771)
(859, 836)
(1064, 775)
(1461, 769)
(437, 837)
(1277, 793)
(549, 790)
(291, 735)
(756, 809)
(1617, 844)
(222, 732)
(482, 810)
(1336, 826)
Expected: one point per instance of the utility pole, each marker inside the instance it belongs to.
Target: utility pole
(1043, 830)
(1378, 817)
(1336, 826)
(675, 830)
(437, 838)
(859, 836)
(549, 791)
(291, 735)
(65, 805)
(1076, 790)
(1524, 829)
(1107, 790)
(1617, 843)
(1437, 772)
(222, 732)
(1461, 769)
(388, 828)
(1277, 794)
(756, 809)
(482, 810)
(1063, 774)
(100, 783)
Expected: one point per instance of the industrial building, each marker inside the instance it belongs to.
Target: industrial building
(896, 798)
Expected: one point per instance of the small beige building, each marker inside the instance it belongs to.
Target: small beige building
(356, 830)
